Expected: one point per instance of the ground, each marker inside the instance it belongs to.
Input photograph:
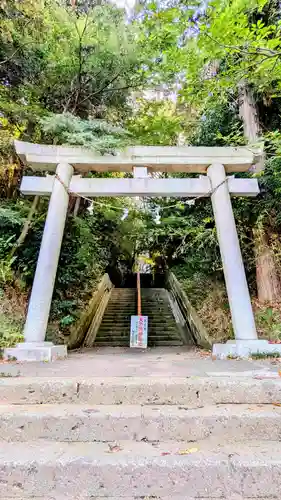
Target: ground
(154, 362)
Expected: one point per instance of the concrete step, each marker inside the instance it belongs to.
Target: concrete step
(153, 314)
(108, 321)
(126, 328)
(158, 343)
(164, 343)
(123, 295)
(235, 497)
(82, 422)
(154, 298)
(126, 317)
(163, 334)
(183, 391)
(127, 322)
(158, 314)
(116, 308)
(122, 298)
(164, 330)
(152, 334)
(126, 338)
(146, 498)
(125, 303)
(127, 468)
(115, 305)
(111, 323)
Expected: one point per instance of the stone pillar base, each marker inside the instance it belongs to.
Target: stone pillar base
(36, 351)
(244, 348)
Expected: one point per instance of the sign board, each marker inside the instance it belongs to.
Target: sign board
(139, 328)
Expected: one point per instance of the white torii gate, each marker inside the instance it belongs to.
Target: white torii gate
(213, 163)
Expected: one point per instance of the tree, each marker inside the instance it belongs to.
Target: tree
(158, 122)
(55, 58)
(228, 52)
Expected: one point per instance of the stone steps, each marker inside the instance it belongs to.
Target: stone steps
(126, 328)
(114, 330)
(140, 438)
(154, 337)
(151, 343)
(147, 497)
(130, 468)
(192, 392)
(84, 423)
(109, 326)
(108, 319)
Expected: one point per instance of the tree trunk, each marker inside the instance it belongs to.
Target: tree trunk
(268, 282)
(248, 113)
(76, 206)
(26, 226)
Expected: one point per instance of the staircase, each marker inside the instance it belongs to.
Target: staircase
(162, 327)
(115, 326)
(108, 437)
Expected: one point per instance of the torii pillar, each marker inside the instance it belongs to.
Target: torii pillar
(243, 321)
(35, 348)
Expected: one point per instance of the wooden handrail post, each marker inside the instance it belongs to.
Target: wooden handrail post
(139, 293)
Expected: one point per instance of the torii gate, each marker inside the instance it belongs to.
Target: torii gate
(213, 163)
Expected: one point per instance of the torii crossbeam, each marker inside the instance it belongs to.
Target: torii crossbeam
(214, 163)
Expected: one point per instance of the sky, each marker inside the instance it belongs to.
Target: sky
(128, 4)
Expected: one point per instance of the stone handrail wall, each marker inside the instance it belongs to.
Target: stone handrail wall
(84, 332)
(193, 322)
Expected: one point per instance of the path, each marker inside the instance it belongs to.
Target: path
(155, 362)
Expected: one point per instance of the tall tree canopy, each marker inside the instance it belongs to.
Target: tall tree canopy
(59, 58)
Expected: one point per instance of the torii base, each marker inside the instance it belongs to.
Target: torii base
(36, 351)
(244, 349)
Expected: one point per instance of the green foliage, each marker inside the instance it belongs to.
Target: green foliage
(218, 126)
(269, 322)
(10, 332)
(207, 53)
(10, 323)
(97, 135)
(57, 59)
(157, 122)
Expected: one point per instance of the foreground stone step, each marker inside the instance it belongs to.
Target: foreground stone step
(75, 422)
(235, 497)
(127, 469)
(149, 497)
(189, 391)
